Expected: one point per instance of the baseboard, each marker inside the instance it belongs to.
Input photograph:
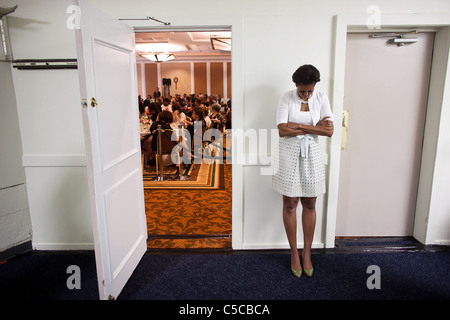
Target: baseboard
(442, 242)
(281, 246)
(63, 246)
(16, 250)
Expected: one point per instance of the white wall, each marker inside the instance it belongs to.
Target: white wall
(270, 40)
(273, 51)
(15, 224)
(48, 105)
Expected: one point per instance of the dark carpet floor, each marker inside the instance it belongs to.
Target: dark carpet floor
(235, 276)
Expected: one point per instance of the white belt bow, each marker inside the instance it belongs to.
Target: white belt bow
(304, 144)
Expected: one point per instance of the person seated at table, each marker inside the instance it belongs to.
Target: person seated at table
(216, 117)
(198, 102)
(178, 116)
(165, 118)
(187, 106)
(196, 128)
(166, 106)
(228, 115)
(153, 111)
(198, 119)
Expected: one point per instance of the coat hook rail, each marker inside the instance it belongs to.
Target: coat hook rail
(36, 64)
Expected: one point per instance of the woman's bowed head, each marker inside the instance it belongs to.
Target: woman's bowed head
(305, 79)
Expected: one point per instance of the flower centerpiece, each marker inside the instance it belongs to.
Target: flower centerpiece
(145, 123)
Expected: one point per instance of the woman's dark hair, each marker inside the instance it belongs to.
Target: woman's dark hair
(200, 112)
(216, 107)
(166, 116)
(175, 107)
(306, 74)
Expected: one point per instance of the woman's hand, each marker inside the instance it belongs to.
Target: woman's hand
(325, 123)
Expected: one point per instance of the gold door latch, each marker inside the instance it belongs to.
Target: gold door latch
(93, 102)
(345, 116)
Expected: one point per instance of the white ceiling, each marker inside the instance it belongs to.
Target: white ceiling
(186, 46)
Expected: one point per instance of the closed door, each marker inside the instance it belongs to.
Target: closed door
(386, 89)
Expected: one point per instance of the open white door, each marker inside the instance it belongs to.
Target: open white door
(107, 71)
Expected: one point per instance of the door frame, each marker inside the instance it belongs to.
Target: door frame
(436, 100)
(235, 24)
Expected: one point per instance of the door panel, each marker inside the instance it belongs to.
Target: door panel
(107, 71)
(117, 131)
(115, 207)
(386, 89)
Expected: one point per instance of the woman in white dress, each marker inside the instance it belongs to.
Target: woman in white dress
(302, 115)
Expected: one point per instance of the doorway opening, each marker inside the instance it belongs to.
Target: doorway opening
(183, 72)
(380, 165)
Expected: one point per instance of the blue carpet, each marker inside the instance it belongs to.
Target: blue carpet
(237, 276)
(262, 277)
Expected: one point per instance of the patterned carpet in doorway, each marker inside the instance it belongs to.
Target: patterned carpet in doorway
(190, 219)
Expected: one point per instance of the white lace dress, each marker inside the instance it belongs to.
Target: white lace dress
(298, 176)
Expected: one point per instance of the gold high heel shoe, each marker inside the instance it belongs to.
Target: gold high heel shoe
(308, 272)
(296, 273)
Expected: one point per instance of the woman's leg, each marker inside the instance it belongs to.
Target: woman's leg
(309, 224)
(290, 225)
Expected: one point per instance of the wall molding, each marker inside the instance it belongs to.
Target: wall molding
(62, 246)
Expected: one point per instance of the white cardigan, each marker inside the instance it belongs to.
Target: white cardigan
(289, 107)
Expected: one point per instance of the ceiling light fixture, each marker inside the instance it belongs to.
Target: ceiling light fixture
(221, 43)
(157, 56)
